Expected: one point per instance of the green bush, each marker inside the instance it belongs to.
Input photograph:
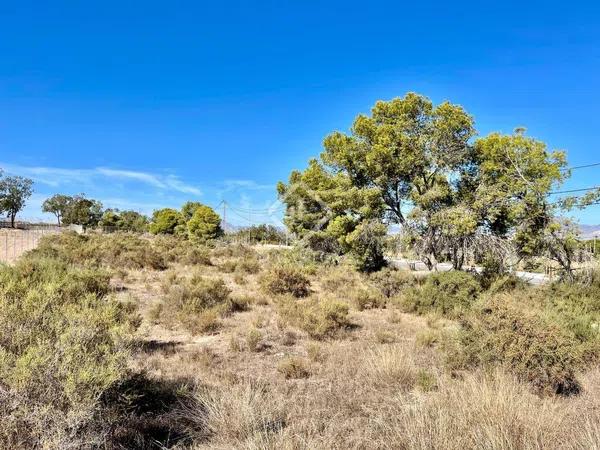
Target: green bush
(285, 279)
(319, 318)
(505, 332)
(197, 302)
(448, 293)
(366, 246)
(506, 283)
(391, 282)
(367, 299)
(63, 343)
(166, 221)
(205, 224)
(181, 250)
(118, 250)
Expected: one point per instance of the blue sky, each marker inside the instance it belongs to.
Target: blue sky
(148, 104)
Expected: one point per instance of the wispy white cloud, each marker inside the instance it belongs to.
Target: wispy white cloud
(54, 176)
(143, 177)
(250, 185)
(176, 184)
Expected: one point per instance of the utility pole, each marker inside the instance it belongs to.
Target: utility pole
(224, 215)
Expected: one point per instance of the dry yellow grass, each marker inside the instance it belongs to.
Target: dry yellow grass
(381, 385)
(266, 380)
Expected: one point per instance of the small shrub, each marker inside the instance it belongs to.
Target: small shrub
(426, 381)
(234, 251)
(228, 266)
(155, 312)
(339, 279)
(117, 250)
(315, 352)
(427, 338)
(285, 279)
(288, 338)
(367, 299)
(63, 344)
(206, 321)
(198, 302)
(523, 341)
(391, 282)
(294, 367)
(319, 318)
(239, 279)
(238, 304)
(196, 256)
(391, 365)
(394, 317)
(249, 265)
(506, 283)
(385, 337)
(235, 345)
(253, 340)
(447, 293)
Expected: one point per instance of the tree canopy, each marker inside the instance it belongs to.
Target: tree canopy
(205, 223)
(57, 205)
(418, 165)
(165, 221)
(14, 192)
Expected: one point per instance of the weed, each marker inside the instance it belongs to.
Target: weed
(319, 318)
(285, 279)
(294, 367)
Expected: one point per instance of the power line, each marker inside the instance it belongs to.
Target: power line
(584, 166)
(258, 211)
(574, 190)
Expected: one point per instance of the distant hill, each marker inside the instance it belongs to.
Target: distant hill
(590, 231)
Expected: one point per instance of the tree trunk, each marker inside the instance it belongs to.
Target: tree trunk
(12, 220)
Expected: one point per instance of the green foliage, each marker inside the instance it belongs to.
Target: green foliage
(320, 318)
(263, 234)
(504, 332)
(285, 279)
(130, 221)
(448, 293)
(367, 299)
(63, 343)
(14, 192)
(410, 153)
(293, 367)
(391, 282)
(197, 302)
(82, 211)
(366, 246)
(205, 223)
(114, 250)
(165, 221)
(188, 209)
(57, 205)
(178, 249)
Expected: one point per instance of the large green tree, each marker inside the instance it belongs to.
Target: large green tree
(57, 205)
(205, 223)
(165, 221)
(82, 211)
(14, 192)
(448, 192)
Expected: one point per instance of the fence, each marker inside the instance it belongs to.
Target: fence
(15, 242)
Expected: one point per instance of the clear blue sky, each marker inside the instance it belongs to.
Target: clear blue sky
(147, 104)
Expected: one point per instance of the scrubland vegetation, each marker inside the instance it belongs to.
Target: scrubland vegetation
(178, 337)
(123, 341)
